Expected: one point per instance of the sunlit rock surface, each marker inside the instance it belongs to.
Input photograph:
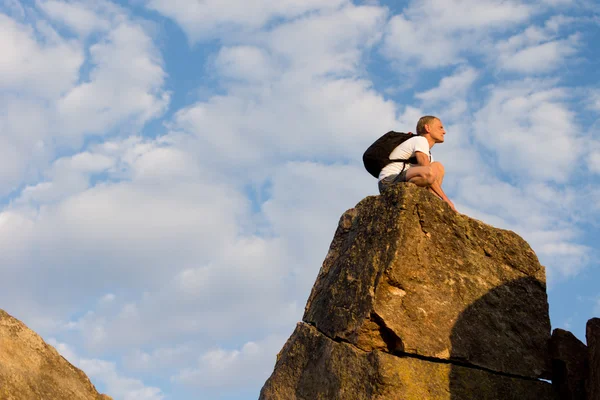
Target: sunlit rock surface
(32, 369)
(415, 301)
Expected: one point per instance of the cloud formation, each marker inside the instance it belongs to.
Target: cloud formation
(56, 97)
(210, 18)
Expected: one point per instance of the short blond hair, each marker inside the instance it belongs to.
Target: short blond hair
(425, 120)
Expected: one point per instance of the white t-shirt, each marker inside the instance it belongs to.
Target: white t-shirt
(403, 152)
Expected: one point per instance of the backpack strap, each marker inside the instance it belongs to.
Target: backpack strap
(412, 160)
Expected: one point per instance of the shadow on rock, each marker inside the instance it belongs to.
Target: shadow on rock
(506, 362)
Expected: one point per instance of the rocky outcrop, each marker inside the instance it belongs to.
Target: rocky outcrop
(592, 335)
(569, 365)
(32, 369)
(311, 366)
(414, 301)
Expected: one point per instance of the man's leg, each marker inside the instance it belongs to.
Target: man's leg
(430, 177)
(422, 176)
(439, 172)
(439, 176)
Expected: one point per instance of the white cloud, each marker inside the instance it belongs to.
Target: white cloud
(107, 298)
(594, 162)
(55, 96)
(275, 272)
(593, 100)
(116, 385)
(540, 58)
(316, 101)
(14, 8)
(106, 373)
(305, 119)
(159, 358)
(301, 187)
(317, 105)
(220, 368)
(450, 87)
(438, 32)
(117, 92)
(83, 18)
(531, 130)
(558, 2)
(219, 293)
(244, 63)
(406, 41)
(469, 14)
(569, 258)
(537, 49)
(36, 61)
(215, 17)
(330, 43)
(122, 232)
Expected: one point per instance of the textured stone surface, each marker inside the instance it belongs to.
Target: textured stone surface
(313, 367)
(32, 369)
(569, 365)
(406, 274)
(592, 336)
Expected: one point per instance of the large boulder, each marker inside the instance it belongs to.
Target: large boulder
(592, 336)
(32, 369)
(406, 275)
(312, 366)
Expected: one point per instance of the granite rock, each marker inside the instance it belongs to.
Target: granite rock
(311, 366)
(32, 369)
(407, 275)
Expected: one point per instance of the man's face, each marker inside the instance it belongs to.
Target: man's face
(436, 130)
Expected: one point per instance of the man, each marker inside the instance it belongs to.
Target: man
(426, 172)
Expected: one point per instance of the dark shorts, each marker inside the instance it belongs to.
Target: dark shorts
(389, 180)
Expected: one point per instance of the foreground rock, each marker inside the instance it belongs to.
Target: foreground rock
(569, 365)
(31, 369)
(414, 301)
(592, 336)
(313, 367)
(406, 274)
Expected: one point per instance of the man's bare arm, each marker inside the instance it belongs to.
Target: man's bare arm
(422, 158)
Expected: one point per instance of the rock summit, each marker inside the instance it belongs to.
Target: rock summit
(415, 301)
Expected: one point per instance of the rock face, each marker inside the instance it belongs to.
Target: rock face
(569, 365)
(32, 369)
(311, 366)
(414, 301)
(592, 336)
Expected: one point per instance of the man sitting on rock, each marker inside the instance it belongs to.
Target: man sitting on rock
(426, 172)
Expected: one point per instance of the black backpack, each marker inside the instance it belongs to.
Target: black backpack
(377, 155)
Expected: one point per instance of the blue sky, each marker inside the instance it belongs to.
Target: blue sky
(173, 171)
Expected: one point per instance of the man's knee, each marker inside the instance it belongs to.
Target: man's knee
(430, 175)
(439, 168)
(423, 176)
